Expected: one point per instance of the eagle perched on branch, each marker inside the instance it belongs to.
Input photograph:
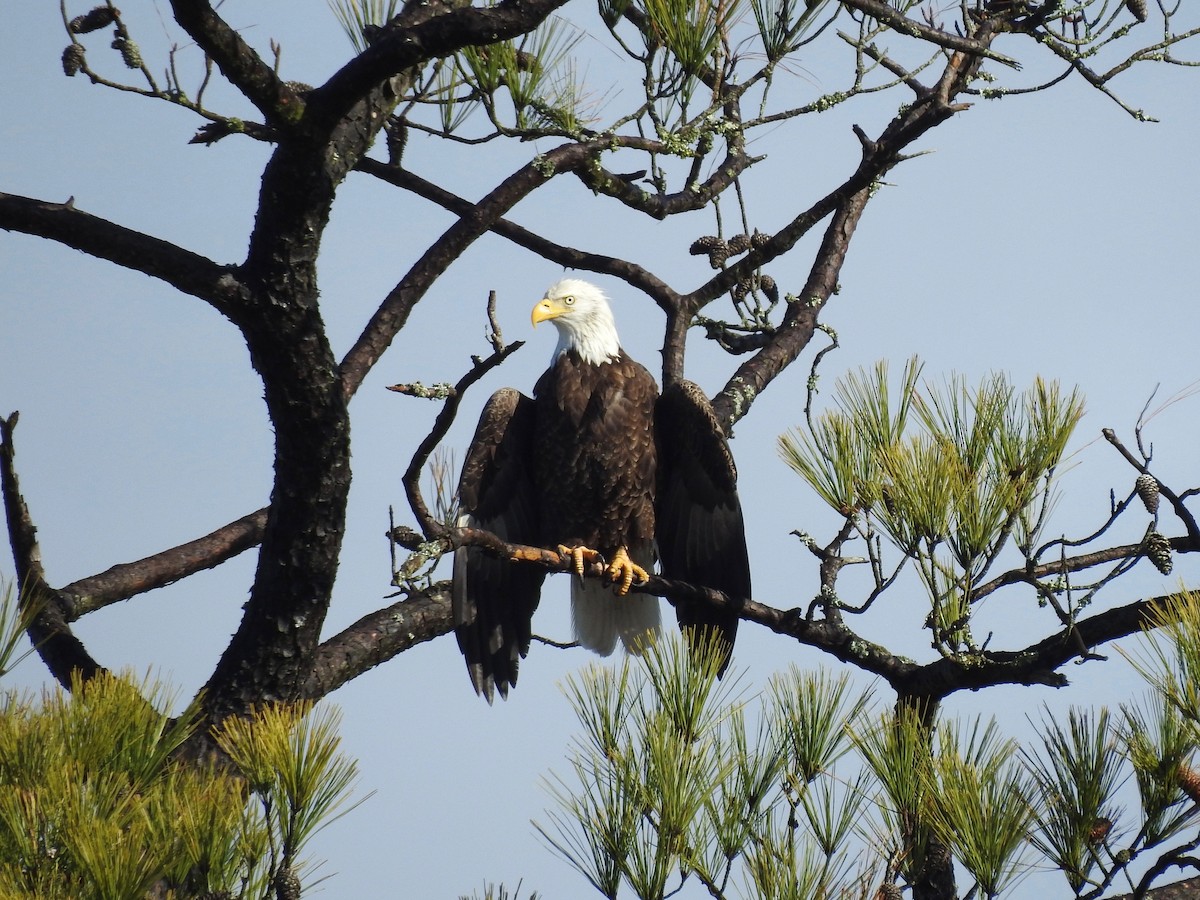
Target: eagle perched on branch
(600, 467)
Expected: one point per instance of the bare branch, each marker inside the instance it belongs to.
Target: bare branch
(379, 636)
(1185, 514)
(189, 272)
(130, 579)
(61, 651)
(568, 257)
(897, 21)
(474, 222)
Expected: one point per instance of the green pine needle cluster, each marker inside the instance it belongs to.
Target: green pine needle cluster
(950, 474)
(678, 776)
(1077, 774)
(16, 614)
(94, 804)
(981, 803)
(784, 24)
(806, 790)
(692, 30)
(355, 16)
(499, 892)
(536, 72)
(938, 466)
(288, 754)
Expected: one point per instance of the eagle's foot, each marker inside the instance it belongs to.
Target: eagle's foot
(623, 571)
(579, 557)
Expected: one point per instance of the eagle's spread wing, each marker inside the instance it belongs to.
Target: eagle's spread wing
(700, 535)
(494, 599)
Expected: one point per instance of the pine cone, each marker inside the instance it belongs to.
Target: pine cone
(287, 885)
(1158, 549)
(1139, 9)
(1146, 486)
(739, 243)
(1100, 829)
(93, 20)
(1189, 781)
(72, 59)
(769, 287)
(129, 52)
(397, 138)
(717, 249)
(758, 239)
(889, 891)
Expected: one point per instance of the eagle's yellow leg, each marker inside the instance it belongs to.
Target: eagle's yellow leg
(623, 571)
(579, 557)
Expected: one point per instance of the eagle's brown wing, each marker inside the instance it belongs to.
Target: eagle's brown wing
(494, 599)
(700, 534)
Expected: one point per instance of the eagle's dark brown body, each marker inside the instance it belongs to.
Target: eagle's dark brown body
(593, 424)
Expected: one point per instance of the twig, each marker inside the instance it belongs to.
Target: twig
(1185, 515)
(495, 335)
(432, 529)
(813, 378)
(550, 642)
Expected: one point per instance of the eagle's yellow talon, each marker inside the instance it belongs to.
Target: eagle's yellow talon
(623, 571)
(579, 557)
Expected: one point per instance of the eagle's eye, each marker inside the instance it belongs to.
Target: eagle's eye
(569, 301)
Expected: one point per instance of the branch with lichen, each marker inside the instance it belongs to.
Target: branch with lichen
(430, 526)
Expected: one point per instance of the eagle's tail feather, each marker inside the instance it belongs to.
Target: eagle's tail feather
(599, 617)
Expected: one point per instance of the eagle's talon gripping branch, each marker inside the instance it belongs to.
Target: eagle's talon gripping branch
(580, 557)
(623, 571)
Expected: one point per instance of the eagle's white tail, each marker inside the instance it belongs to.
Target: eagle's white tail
(599, 617)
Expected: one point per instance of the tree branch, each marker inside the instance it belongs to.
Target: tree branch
(847, 202)
(187, 271)
(1074, 564)
(695, 195)
(415, 37)
(445, 418)
(61, 651)
(279, 104)
(568, 257)
(127, 580)
(800, 319)
(396, 307)
(1177, 504)
(897, 21)
(379, 636)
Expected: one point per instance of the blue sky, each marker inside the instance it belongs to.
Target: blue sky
(1049, 234)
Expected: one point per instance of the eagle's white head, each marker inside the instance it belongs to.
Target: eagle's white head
(584, 320)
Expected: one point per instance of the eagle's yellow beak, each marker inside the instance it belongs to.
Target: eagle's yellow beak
(547, 309)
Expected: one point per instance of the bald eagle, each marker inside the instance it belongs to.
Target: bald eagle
(600, 467)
